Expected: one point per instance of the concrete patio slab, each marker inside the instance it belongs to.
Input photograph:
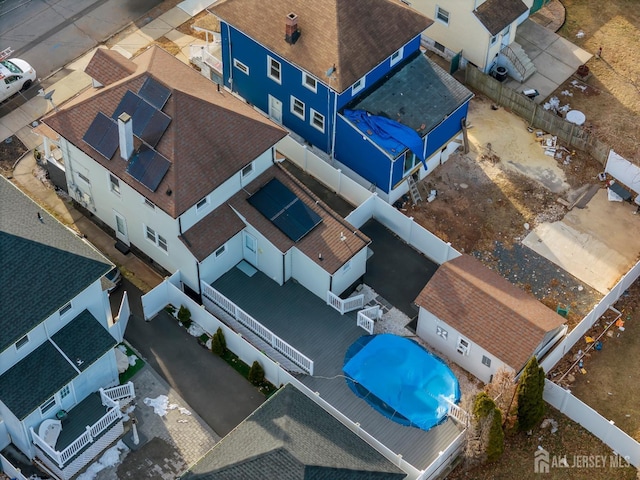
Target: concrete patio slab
(15, 120)
(156, 29)
(193, 7)
(176, 17)
(536, 34)
(569, 53)
(181, 39)
(134, 42)
(553, 68)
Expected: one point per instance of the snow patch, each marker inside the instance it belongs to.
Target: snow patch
(109, 458)
(196, 330)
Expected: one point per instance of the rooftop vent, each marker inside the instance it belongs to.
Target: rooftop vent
(292, 34)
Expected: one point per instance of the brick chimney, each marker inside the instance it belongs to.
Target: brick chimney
(291, 32)
(125, 135)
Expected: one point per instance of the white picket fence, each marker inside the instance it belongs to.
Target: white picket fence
(367, 318)
(7, 467)
(346, 305)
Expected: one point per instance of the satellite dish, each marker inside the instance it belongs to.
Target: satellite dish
(49, 95)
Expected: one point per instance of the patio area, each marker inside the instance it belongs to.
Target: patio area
(318, 331)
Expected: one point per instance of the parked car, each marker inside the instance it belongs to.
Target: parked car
(115, 277)
(15, 75)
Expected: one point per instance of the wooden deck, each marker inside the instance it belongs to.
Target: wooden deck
(305, 322)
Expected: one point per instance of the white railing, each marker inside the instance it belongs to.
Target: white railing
(346, 305)
(458, 413)
(256, 327)
(7, 467)
(367, 318)
(119, 392)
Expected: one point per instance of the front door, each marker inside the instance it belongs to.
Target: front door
(121, 228)
(275, 109)
(250, 248)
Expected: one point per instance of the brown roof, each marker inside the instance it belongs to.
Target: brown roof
(324, 239)
(213, 231)
(488, 310)
(355, 36)
(495, 15)
(212, 134)
(107, 66)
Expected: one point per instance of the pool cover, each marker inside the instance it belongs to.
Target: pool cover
(401, 380)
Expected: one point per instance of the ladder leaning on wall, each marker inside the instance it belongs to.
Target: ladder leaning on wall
(413, 190)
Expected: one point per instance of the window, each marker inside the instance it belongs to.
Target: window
(397, 56)
(442, 15)
(317, 120)
(162, 243)
(309, 82)
(346, 267)
(84, 178)
(220, 251)
(494, 39)
(22, 342)
(202, 203)
(506, 31)
(149, 204)
(359, 85)
(151, 234)
(297, 107)
(48, 405)
(246, 171)
(486, 361)
(410, 161)
(65, 309)
(156, 238)
(463, 346)
(66, 390)
(441, 332)
(274, 69)
(438, 46)
(240, 66)
(114, 184)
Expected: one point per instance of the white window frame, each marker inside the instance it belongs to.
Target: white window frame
(84, 178)
(396, 56)
(314, 116)
(442, 15)
(65, 391)
(346, 267)
(494, 39)
(220, 251)
(358, 86)
(247, 170)
(463, 346)
(271, 62)
(162, 243)
(48, 405)
(150, 234)
(486, 361)
(22, 342)
(66, 308)
(202, 204)
(149, 203)
(241, 66)
(310, 82)
(114, 184)
(293, 103)
(441, 332)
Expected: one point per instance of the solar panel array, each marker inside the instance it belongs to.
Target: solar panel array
(285, 210)
(148, 167)
(155, 93)
(102, 135)
(149, 123)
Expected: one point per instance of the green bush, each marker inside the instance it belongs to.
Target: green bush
(216, 345)
(530, 401)
(223, 341)
(495, 446)
(184, 316)
(256, 374)
(170, 309)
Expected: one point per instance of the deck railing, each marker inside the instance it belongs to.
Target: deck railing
(202, 53)
(256, 327)
(367, 318)
(119, 392)
(346, 305)
(458, 414)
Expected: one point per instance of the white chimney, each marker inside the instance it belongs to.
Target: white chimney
(125, 135)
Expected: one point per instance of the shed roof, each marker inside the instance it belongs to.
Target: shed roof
(488, 310)
(496, 15)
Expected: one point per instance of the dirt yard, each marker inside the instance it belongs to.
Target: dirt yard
(610, 98)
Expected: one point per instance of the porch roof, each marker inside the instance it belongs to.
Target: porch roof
(419, 95)
(37, 377)
(496, 15)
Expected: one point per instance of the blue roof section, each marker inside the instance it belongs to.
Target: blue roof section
(419, 95)
(44, 264)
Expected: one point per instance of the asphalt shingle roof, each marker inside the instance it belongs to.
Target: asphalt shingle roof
(495, 15)
(488, 310)
(212, 134)
(355, 36)
(108, 66)
(84, 340)
(33, 380)
(44, 264)
(290, 437)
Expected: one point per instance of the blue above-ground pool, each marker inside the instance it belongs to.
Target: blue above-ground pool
(401, 380)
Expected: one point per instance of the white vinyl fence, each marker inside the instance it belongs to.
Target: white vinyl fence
(10, 470)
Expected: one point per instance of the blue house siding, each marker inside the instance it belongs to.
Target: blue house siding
(256, 86)
(449, 128)
(361, 155)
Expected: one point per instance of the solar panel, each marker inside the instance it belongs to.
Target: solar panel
(148, 167)
(128, 104)
(149, 123)
(155, 128)
(285, 210)
(102, 135)
(154, 93)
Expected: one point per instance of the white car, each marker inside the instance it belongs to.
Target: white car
(15, 75)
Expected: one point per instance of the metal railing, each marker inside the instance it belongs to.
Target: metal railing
(256, 327)
(508, 52)
(367, 318)
(346, 305)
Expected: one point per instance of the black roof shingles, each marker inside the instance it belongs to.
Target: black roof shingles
(44, 264)
(294, 438)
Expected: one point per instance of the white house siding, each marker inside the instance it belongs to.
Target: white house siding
(214, 267)
(15, 428)
(225, 191)
(5, 439)
(472, 362)
(309, 274)
(269, 257)
(350, 272)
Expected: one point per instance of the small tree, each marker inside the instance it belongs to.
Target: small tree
(530, 391)
(489, 419)
(223, 341)
(216, 345)
(502, 390)
(184, 316)
(256, 373)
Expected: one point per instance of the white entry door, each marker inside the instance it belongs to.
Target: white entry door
(275, 109)
(121, 228)
(250, 248)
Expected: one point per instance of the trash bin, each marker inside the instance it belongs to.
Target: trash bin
(501, 74)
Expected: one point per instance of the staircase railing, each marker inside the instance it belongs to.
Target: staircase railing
(508, 52)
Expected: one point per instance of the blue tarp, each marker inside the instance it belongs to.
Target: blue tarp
(388, 134)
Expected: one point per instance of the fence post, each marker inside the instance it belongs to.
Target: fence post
(339, 181)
